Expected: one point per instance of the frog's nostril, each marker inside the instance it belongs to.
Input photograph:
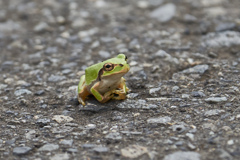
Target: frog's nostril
(121, 65)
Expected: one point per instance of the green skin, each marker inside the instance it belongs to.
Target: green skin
(104, 80)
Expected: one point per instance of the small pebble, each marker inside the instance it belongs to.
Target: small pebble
(238, 116)
(43, 121)
(222, 39)
(213, 112)
(62, 118)
(113, 136)
(40, 92)
(104, 54)
(153, 91)
(230, 142)
(190, 136)
(189, 18)
(61, 19)
(41, 26)
(199, 69)
(133, 151)
(182, 155)
(49, 147)
(66, 142)
(175, 88)
(164, 13)
(142, 4)
(55, 78)
(60, 156)
(160, 120)
(191, 146)
(198, 94)
(21, 150)
(100, 149)
(90, 126)
(22, 92)
(216, 99)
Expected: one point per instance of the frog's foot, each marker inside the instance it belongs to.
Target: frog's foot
(81, 101)
(107, 96)
(114, 94)
(119, 95)
(105, 99)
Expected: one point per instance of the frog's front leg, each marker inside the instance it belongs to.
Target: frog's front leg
(121, 94)
(101, 98)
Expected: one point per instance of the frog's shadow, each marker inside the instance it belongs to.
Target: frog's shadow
(92, 105)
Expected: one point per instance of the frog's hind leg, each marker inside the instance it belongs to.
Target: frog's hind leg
(82, 96)
(123, 86)
(121, 94)
(101, 98)
(82, 91)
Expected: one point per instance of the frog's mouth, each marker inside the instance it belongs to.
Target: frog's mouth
(126, 69)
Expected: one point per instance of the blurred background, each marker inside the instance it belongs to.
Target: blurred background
(79, 33)
(184, 79)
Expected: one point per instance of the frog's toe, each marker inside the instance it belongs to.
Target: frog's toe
(81, 101)
(119, 96)
(119, 91)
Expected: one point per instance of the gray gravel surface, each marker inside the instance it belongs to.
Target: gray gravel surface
(184, 79)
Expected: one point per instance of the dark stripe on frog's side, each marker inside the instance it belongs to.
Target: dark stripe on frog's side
(100, 72)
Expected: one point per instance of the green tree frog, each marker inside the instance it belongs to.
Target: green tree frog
(104, 80)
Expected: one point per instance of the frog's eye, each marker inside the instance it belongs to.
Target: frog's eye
(108, 66)
(126, 58)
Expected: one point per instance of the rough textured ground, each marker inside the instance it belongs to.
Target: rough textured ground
(184, 79)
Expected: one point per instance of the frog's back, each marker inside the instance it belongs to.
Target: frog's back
(91, 73)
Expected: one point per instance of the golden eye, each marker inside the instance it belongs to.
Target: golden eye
(126, 58)
(108, 66)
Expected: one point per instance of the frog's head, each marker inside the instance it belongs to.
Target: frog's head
(114, 67)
